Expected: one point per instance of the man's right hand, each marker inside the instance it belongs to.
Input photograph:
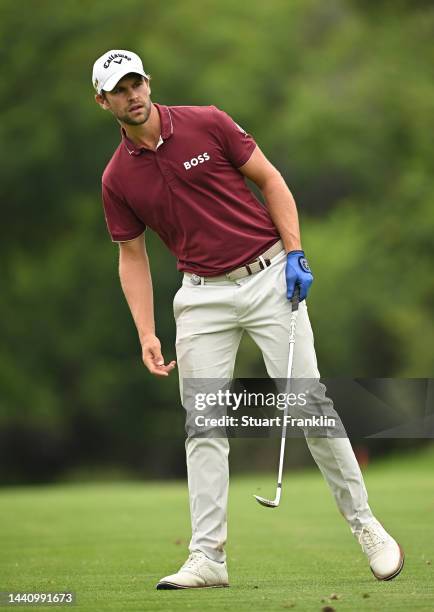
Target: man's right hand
(152, 357)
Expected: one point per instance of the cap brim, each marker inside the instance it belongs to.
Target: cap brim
(114, 79)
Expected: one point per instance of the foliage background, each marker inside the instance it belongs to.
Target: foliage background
(339, 95)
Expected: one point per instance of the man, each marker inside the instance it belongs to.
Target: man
(180, 171)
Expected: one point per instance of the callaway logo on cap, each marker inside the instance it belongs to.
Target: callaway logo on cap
(109, 69)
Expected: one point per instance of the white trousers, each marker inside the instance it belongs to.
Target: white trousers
(210, 320)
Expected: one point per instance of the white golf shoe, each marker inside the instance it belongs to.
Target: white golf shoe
(385, 555)
(197, 572)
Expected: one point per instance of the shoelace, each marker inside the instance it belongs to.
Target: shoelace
(193, 561)
(371, 538)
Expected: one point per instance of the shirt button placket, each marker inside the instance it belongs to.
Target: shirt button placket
(169, 177)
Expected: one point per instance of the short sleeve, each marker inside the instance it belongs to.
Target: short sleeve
(122, 223)
(236, 142)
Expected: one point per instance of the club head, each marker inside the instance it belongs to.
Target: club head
(268, 503)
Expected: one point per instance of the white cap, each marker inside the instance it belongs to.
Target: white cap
(109, 69)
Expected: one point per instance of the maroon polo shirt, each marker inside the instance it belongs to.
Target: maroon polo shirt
(189, 191)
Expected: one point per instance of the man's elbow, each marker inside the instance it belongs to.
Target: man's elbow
(271, 181)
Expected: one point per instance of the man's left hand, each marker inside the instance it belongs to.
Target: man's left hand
(297, 273)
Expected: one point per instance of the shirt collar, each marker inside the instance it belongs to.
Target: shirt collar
(166, 130)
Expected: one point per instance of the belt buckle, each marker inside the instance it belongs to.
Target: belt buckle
(195, 279)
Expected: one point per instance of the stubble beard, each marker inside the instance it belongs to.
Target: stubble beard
(140, 120)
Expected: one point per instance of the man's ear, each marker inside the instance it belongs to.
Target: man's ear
(102, 101)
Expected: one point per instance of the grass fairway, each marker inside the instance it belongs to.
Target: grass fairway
(110, 543)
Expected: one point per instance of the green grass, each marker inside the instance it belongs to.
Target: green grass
(110, 543)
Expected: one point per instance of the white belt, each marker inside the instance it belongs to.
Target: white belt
(258, 264)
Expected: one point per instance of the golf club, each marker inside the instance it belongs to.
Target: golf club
(292, 324)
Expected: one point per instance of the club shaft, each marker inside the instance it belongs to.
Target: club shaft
(288, 385)
(292, 326)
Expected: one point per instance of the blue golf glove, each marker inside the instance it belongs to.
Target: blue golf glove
(297, 273)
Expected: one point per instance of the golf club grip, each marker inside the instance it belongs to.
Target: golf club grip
(295, 298)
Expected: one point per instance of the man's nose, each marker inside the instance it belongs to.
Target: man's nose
(131, 93)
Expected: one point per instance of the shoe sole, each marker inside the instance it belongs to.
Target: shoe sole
(395, 574)
(171, 586)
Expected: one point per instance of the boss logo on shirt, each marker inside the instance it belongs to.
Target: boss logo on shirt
(195, 161)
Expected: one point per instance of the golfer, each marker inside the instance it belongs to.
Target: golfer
(181, 170)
